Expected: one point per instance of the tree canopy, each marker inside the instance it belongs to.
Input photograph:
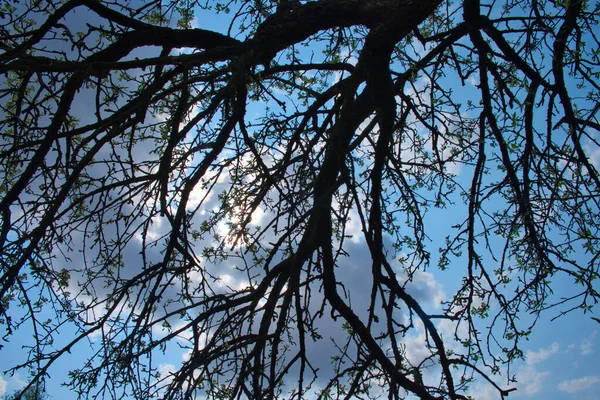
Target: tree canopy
(258, 183)
(34, 391)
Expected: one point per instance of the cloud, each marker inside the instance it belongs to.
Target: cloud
(529, 383)
(166, 372)
(587, 344)
(535, 357)
(530, 380)
(2, 386)
(15, 382)
(483, 391)
(426, 289)
(18, 381)
(416, 349)
(593, 154)
(577, 385)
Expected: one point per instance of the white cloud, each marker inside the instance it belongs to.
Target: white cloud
(15, 382)
(18, 381)
(195, 23)
(530, 380)
(534, 357)
(474, 81)
(227, 282)
(353, 226)
(155, 230)
(166, 369)
(2, 386)
(425, 288)
(593, 153)
(577, 385)
(587, 344)
(166, 372)
(416, 349)
(484, 391)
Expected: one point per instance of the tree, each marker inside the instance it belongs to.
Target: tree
(34, 391)
(168, 186)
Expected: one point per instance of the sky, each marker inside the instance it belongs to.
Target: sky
(560, 356)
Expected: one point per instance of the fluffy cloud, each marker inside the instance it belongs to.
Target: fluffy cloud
(593, 154)
(16, 382)
(426, 289)
(2, 386)
(531, 381)
(166, 371)
(587, 344)
(484, 391)
(577, 385)
(416, 350)
(534, 357)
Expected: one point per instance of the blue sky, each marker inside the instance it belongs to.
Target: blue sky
(560, 355)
